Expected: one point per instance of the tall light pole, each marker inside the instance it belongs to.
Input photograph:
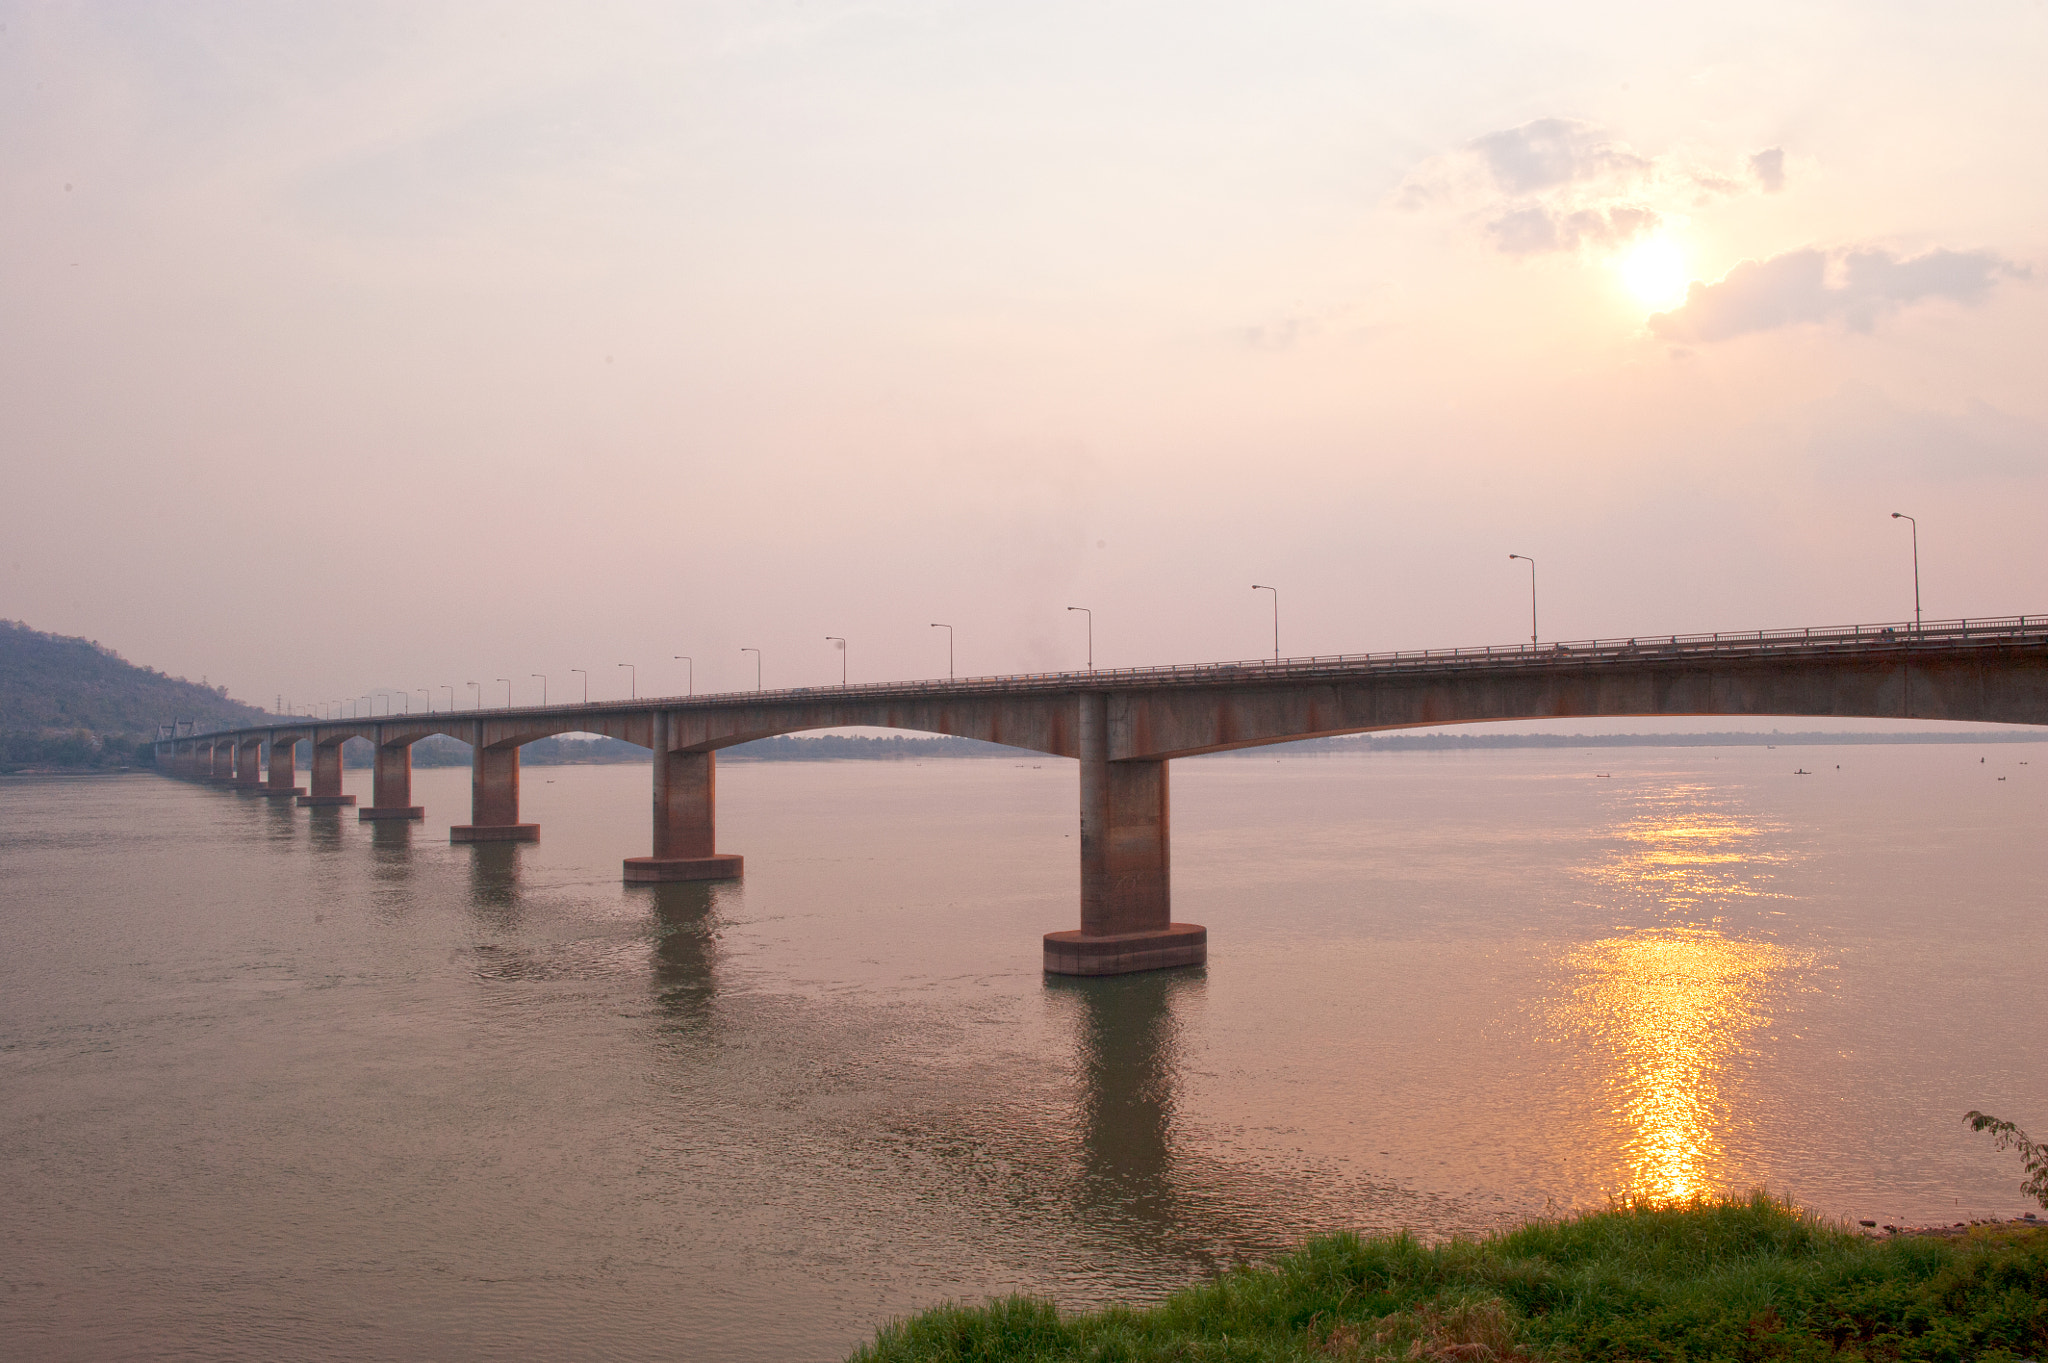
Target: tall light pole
(757, 665)
(426, 691)
(949, 648)
(835, 639)
(1091, 633)
(543, 688)
(450, 689)
(1276, 617)
(635, 693)
(508, 691)
(586, 684)
(479, 694)
(1902, 516)
(691, 684)
(1532, 595)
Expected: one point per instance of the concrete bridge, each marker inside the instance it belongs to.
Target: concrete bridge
(1125, 725)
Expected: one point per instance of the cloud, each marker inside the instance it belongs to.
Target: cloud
(1768, 166)
(1812, 286)
(1551, 152)
(1558, 185)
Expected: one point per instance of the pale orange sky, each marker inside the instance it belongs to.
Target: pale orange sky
(399, 345)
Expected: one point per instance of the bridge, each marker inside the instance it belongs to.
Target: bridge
(1125, 725)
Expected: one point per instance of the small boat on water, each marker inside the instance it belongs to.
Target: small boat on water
(1802, 772)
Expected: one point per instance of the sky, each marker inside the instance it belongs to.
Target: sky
(349, 348)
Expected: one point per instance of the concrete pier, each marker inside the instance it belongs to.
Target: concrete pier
(327, 776)
(685, 817)
(391, 783)
(1126, 865)
(249, 766)
(493, 797)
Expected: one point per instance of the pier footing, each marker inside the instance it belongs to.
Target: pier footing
(494, 832)
(658, 870)
(281, 792)
(369, 812)
(1124, 953)
(322, 801)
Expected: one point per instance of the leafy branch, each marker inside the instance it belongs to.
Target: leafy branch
(2010, 1137)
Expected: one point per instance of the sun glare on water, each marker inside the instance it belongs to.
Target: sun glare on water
(1655, 273)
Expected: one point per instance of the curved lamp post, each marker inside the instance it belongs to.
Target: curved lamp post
(691, 684)
(1532, 595)
(1276, 617)
(635, 693)
(949, 647)
(757, 665)
(835, 639)
(1902, 516)
(1091, 633)
(586, 684)
(543, 689)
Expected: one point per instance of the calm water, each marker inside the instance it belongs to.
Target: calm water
(281, 1084)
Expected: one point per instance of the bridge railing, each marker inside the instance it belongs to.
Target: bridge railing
(1894, 637)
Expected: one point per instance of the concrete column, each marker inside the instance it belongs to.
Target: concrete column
(327, 776)
(1126, 866)
(493, 797)
(283, 782)
(391, 783)
(685, 818)
(249, 766)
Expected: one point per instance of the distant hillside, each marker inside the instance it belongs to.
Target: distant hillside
(71, 703)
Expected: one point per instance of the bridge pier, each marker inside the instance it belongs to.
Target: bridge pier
(391, 783)
(327, 776)
(493, 797)
(249, 766)
(1126, 866)
(685, 818)
(283, 783)
(220, 763)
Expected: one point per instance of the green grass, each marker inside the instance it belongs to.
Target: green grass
(1738, 1279)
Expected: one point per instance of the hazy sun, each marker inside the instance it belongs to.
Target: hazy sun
(1655, 273)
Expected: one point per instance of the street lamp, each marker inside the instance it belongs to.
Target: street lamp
(586, 684)
(1532, 595)
(757, 665)
(1902, 516)
(835, 639)
(635, 692)
(1276, 617)
(426, 691)
(949, 648)
(1091, 633)
(543, 688)
(479, 694)
(508, 691)
(445, 686)
(691, 684)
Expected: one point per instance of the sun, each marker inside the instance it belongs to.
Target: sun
(1655, 273)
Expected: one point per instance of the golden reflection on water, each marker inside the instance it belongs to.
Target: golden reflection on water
(1673, 1009)
(1674, 1003)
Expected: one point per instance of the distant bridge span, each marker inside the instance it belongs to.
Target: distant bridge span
(1125, 725)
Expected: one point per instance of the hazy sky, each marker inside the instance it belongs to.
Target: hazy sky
(360, 345)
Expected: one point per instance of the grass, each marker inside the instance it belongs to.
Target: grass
(1751, 1279)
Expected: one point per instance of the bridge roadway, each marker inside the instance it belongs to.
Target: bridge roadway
(1125, 725)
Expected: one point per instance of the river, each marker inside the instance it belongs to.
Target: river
(281, 1084)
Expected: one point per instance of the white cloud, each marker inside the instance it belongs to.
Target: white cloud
(1559, 185)
(1809, 286)
(1768, 166)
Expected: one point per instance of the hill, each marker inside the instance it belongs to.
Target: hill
(69, 702)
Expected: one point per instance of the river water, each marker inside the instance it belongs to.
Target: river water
(281, 1084)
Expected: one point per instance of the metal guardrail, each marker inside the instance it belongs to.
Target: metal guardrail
(1872, 640)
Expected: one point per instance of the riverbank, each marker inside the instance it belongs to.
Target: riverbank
(1744, 1279)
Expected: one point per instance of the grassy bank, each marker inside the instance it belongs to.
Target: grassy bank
(1750, 1279)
